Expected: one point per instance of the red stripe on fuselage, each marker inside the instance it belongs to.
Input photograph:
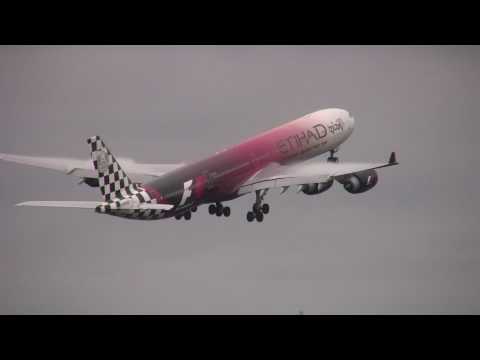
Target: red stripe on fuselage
(199, 186)
(154, 194)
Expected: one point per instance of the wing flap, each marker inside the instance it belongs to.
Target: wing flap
(283, 182)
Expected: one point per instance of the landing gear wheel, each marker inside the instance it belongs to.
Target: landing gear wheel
(212, 209)
(219, 211)
(178, 217)
(259, 209)
(194, 208)
(226, 211)
(250, 216)
(259, 216)
(187, 215)
(265, 208)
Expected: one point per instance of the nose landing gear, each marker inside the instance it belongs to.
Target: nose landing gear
(332, 158)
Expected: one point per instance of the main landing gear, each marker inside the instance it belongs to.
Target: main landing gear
(187, 215)
(219, 210)
(258, 209)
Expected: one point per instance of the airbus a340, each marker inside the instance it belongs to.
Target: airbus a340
(272, 159)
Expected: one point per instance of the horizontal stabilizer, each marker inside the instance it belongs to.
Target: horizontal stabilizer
(68, 204)
(149, 206)
(92, 205)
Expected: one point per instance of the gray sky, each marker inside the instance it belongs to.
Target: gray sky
(410, 245)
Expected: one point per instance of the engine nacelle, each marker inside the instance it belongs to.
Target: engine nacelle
(316, 188)
(359, 182)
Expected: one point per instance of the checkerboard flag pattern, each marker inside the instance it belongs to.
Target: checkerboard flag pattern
(113, 182)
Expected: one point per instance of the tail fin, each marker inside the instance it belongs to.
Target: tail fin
(113, 181)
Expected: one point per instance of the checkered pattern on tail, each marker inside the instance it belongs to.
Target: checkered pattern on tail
(113, 181)
(116, 187)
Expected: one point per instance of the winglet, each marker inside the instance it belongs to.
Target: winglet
(393, 158)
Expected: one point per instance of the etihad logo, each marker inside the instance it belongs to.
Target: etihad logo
(306, 138)
(336, 126)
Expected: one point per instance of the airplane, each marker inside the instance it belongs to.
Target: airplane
(274, 159)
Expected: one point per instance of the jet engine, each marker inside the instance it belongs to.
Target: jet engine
(359, 182)
(316, 188)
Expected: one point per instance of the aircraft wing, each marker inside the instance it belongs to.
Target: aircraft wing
(284, 176)
(93, 205)
(84, 168)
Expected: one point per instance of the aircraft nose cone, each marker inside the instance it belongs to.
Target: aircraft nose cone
(350, 124)
(351, 121)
